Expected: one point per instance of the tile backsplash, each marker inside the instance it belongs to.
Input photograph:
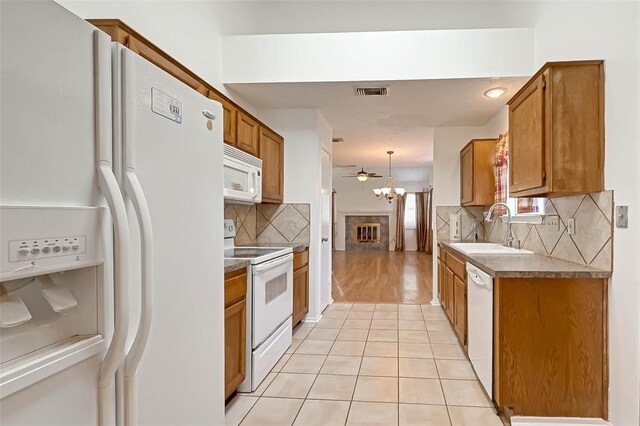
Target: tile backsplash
(270, 223)
(591, 245)
(468, 215)
(283, 223)
(244, 217)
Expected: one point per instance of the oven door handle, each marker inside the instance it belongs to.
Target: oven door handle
(263, 267)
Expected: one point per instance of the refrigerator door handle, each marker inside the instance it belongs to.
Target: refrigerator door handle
(109, 187)
(115, 354)
(135, 193)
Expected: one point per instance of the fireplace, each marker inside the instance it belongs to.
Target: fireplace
(366, 233)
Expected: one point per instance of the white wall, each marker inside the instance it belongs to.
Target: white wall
(354, 197)
(371, 56)
(306, 133)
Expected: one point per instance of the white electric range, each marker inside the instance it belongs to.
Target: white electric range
(269, 305)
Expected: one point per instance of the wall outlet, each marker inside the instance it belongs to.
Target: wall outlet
(571, 226)
(552, 222)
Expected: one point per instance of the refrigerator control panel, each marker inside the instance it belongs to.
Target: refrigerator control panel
(39, 240)
(29, 249)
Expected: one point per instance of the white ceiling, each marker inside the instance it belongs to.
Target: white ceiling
(403, 121)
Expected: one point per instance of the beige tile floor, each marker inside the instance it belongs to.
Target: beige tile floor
(370, 364)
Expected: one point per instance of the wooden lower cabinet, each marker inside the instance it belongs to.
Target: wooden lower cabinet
(235, 330)
(460, 309)
(550, 340)
(300, 286)
(452, 290)
(448, 292)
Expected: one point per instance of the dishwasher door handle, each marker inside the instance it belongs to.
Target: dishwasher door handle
(478, 280)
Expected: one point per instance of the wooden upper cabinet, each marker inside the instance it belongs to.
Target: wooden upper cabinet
(230, 117)
(272, 155)
(248, 134)
(526, 138)
(477, 181)
(556, 131)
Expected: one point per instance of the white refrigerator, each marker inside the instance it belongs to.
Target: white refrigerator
(111, 269)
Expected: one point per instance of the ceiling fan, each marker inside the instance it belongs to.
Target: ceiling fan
(363, 176)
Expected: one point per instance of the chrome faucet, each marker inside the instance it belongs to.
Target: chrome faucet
(510, 238)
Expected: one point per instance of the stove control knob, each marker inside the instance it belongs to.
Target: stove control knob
(23, 251)
(66, 248)
(56, 249)
(46, 250)
(35, 250)
(75, 247)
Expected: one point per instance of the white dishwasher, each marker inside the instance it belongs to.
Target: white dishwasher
(480, 325)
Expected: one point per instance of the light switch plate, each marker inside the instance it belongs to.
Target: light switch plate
(622, 216)
(571, 226)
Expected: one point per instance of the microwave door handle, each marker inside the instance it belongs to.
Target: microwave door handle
(254, 184)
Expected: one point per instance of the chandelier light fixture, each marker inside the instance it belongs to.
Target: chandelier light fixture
(389, 192)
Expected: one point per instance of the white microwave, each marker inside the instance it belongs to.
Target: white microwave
(242, 176)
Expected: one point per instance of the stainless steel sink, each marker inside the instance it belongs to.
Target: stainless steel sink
(487, 248)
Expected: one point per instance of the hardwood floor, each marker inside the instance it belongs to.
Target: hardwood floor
(382, 277)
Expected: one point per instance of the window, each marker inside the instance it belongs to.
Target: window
(534, 206)
(410, 212)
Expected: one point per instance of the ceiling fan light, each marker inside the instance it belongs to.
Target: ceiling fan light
(362, 177)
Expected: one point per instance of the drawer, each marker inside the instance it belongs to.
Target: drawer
(300, 259)
(235, 289)
(456, 265)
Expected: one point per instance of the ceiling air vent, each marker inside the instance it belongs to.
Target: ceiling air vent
(337, 140)
(372, 91)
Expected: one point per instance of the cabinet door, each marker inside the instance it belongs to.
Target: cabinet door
(460, 309)
(300, 294)
(527, 169)
(235, 330)
(230, 116)
(466, 175)
(247, 135)
(449, 296)
(161, 61)
(272, 155)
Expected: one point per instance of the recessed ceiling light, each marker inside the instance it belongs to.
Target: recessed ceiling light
(495, 92)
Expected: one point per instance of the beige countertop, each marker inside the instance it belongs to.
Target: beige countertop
(231, 265)
(296, 247)
(526, 265)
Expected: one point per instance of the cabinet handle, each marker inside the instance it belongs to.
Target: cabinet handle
(324, 240)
